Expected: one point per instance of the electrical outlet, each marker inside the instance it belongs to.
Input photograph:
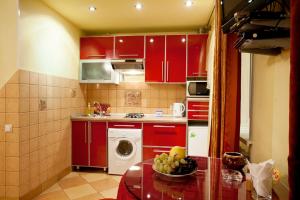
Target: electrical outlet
(8, 128)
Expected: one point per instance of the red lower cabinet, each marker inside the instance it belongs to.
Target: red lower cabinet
(158, 138)
(161, 134)
(98, 144)
(89, 144)
(80, 155)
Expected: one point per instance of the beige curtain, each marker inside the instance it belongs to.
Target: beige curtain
(225, 114)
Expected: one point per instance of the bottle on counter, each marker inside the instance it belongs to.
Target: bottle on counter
(88, 110)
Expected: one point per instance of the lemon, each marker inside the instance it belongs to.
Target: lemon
(178, 152)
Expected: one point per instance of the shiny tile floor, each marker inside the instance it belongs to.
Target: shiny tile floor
(83, 186)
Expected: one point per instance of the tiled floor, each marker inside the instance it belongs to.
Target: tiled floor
(83, 186)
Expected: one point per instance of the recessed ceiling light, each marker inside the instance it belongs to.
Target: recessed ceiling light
(139, 6)
(188, 3)
(151, 40)
(92, 8)
(183, 40)
(120, 40)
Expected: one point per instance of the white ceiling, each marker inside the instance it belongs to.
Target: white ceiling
(120, 16)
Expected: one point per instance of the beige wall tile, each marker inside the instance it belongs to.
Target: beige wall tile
(12, 118)
(12, 164)
(42, 91)
(33, 104)
(24, 119)
(24, 147)
(24, 105)
(12, 149)
(24, 133)
(2, 179)
(33, 131)
(33, 118)
(24, 90)
(12, 178)
(2, 105)
(12, 90)
(33, 145)
(2, 92)
(34, 91)
(13, 136)
(12, 192)
(24, 76)
(34, 78)
(12, 105)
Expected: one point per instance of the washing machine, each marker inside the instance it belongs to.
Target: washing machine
(124, 149)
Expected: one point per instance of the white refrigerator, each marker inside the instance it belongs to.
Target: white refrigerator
(198, 141)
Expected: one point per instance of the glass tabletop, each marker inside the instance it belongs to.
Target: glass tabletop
(207, 183)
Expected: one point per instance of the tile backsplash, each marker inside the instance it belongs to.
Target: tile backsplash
(153, 96)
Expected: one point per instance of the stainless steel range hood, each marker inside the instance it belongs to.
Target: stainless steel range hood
(128, 64)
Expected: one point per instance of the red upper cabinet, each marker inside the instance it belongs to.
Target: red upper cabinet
(96, 47)
(155, 58)
(98, 144)
(129, 46)
(176, 58)
(197, 55)
(80, 144)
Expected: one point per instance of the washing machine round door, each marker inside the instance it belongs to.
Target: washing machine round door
(125, 148)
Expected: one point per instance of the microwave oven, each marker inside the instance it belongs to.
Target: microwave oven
(197, 89)
(98, 71)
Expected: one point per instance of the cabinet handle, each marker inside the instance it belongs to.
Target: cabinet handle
(85, 133)
(160, 151)
(90, 133)
(99, 55)
(123, 55)
(125, 125)
(200, 106)
(199, 115)
(163, 126)
(162, 70)
(167, 71)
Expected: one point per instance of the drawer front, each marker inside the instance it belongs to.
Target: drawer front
(164, 134)
(151, 152)
(124, 125)
(198, 115)
(198, 105)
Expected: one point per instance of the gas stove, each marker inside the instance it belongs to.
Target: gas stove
(134, 115)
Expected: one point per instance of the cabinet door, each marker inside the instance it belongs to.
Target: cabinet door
(96, 47)
(98, 144)
(129, 47)
(176, 58)
(197, 55)
(161, 134)
(80, 143)
(155, 58)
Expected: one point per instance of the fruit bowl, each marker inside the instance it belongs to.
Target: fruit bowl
(174, 164)
(176, 175)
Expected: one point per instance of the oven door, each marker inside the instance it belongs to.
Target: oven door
(197, 89)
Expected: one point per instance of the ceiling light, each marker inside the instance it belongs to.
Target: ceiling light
(120, 40)
(92, 8)
(151, 40)
(183, 40)
(188, 3)
(138, 6)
